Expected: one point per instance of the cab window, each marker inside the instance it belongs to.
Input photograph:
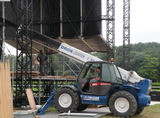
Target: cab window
(105, 73)
(116, 78)
(88, 71)
(84, 71)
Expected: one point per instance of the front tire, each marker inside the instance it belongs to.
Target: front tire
(122, 103)
(66, 100)
(82, 107)
(139, 110)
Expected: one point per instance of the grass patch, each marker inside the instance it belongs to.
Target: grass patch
(152, 111)
(156, 84)
(156, 90)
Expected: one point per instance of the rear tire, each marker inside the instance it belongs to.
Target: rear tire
(66, 100)
(122, 104)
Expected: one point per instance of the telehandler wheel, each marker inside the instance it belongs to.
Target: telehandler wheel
(123, 103)
(66, 100)
(139, 110)
(82, 107)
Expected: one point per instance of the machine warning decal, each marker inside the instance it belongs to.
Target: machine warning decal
(91, 98)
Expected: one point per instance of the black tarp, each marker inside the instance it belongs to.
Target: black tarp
(91, 17)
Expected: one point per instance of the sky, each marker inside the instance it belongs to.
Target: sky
(144, 21)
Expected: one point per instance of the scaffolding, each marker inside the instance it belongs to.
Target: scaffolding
(110, 29)
(24, 45)
(126, 34)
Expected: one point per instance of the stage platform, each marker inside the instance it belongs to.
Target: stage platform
(42, 86)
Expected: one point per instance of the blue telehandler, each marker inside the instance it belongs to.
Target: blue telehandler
(122, 97)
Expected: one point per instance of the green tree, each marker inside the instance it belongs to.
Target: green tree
(148, 68)
(136, 59)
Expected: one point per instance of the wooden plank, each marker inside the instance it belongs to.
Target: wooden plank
(6, 104)
(4, 114)
(34, 73)
(9, 98)
(5, 89)
(66, 77)
(31, 99)
(1, 92)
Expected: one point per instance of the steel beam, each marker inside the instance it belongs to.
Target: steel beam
(126, 34)
(110, 29)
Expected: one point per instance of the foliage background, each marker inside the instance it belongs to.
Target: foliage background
(144, 58)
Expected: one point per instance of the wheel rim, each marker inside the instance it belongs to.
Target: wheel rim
(121, 105)
(65, 100)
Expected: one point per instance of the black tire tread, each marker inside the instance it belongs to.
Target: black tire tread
(129, 97)
(139, 110)
(74, 96)
(82, 107)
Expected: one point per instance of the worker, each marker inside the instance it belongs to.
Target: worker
(97, 74)
(42, 58)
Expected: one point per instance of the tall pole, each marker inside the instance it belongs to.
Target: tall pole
(3, 31)
(126, 34)
(61, 18)
(110, 29)
(41, 16)
(81, 18)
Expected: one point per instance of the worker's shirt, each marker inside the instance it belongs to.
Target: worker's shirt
(97, 74)
(42, 58)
